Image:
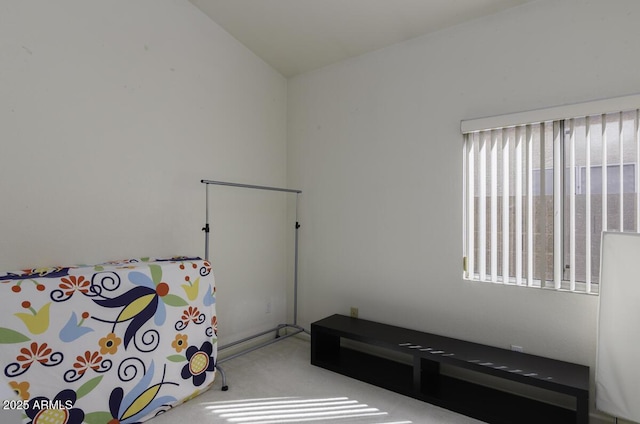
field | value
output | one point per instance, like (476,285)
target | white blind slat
(494,206)
(621,163)
(572,205)
(529,195)
(505,206)
(465,202)
(557,207)
(471,208)
(518,200)
(587,229)
(605,209)
(543,203)
(482,207)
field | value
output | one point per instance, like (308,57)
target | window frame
(523,121)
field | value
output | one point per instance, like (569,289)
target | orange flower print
(34,353)
(180,342)
(190,314)
(214,324)
(109,344)
(89,360)
(71,284)
(21,389)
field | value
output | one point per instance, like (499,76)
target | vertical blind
(538,196)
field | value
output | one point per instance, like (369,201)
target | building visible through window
(537,200)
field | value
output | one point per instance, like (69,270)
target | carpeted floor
(277,384)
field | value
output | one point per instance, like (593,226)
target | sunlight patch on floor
(297,410)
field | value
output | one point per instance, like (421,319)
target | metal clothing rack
(297,329)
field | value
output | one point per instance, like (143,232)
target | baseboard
(600,418)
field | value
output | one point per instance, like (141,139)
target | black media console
(421,379)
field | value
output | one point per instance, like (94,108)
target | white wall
(111,112)
(375,144)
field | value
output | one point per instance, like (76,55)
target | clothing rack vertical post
(296,328)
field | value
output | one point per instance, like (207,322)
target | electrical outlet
(268,308)
(517,348)
(354,312)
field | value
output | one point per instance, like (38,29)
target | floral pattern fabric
(115,343)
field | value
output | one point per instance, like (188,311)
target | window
(536,198)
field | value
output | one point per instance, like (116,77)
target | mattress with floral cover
(118,342)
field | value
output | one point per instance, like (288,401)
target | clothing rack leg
(224,387)
(206,224)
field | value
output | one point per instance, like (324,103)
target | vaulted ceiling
(295,36)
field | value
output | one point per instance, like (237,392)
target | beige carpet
(277,384)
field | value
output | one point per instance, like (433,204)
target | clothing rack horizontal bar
(258,187)
(267,343)
(237,342)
